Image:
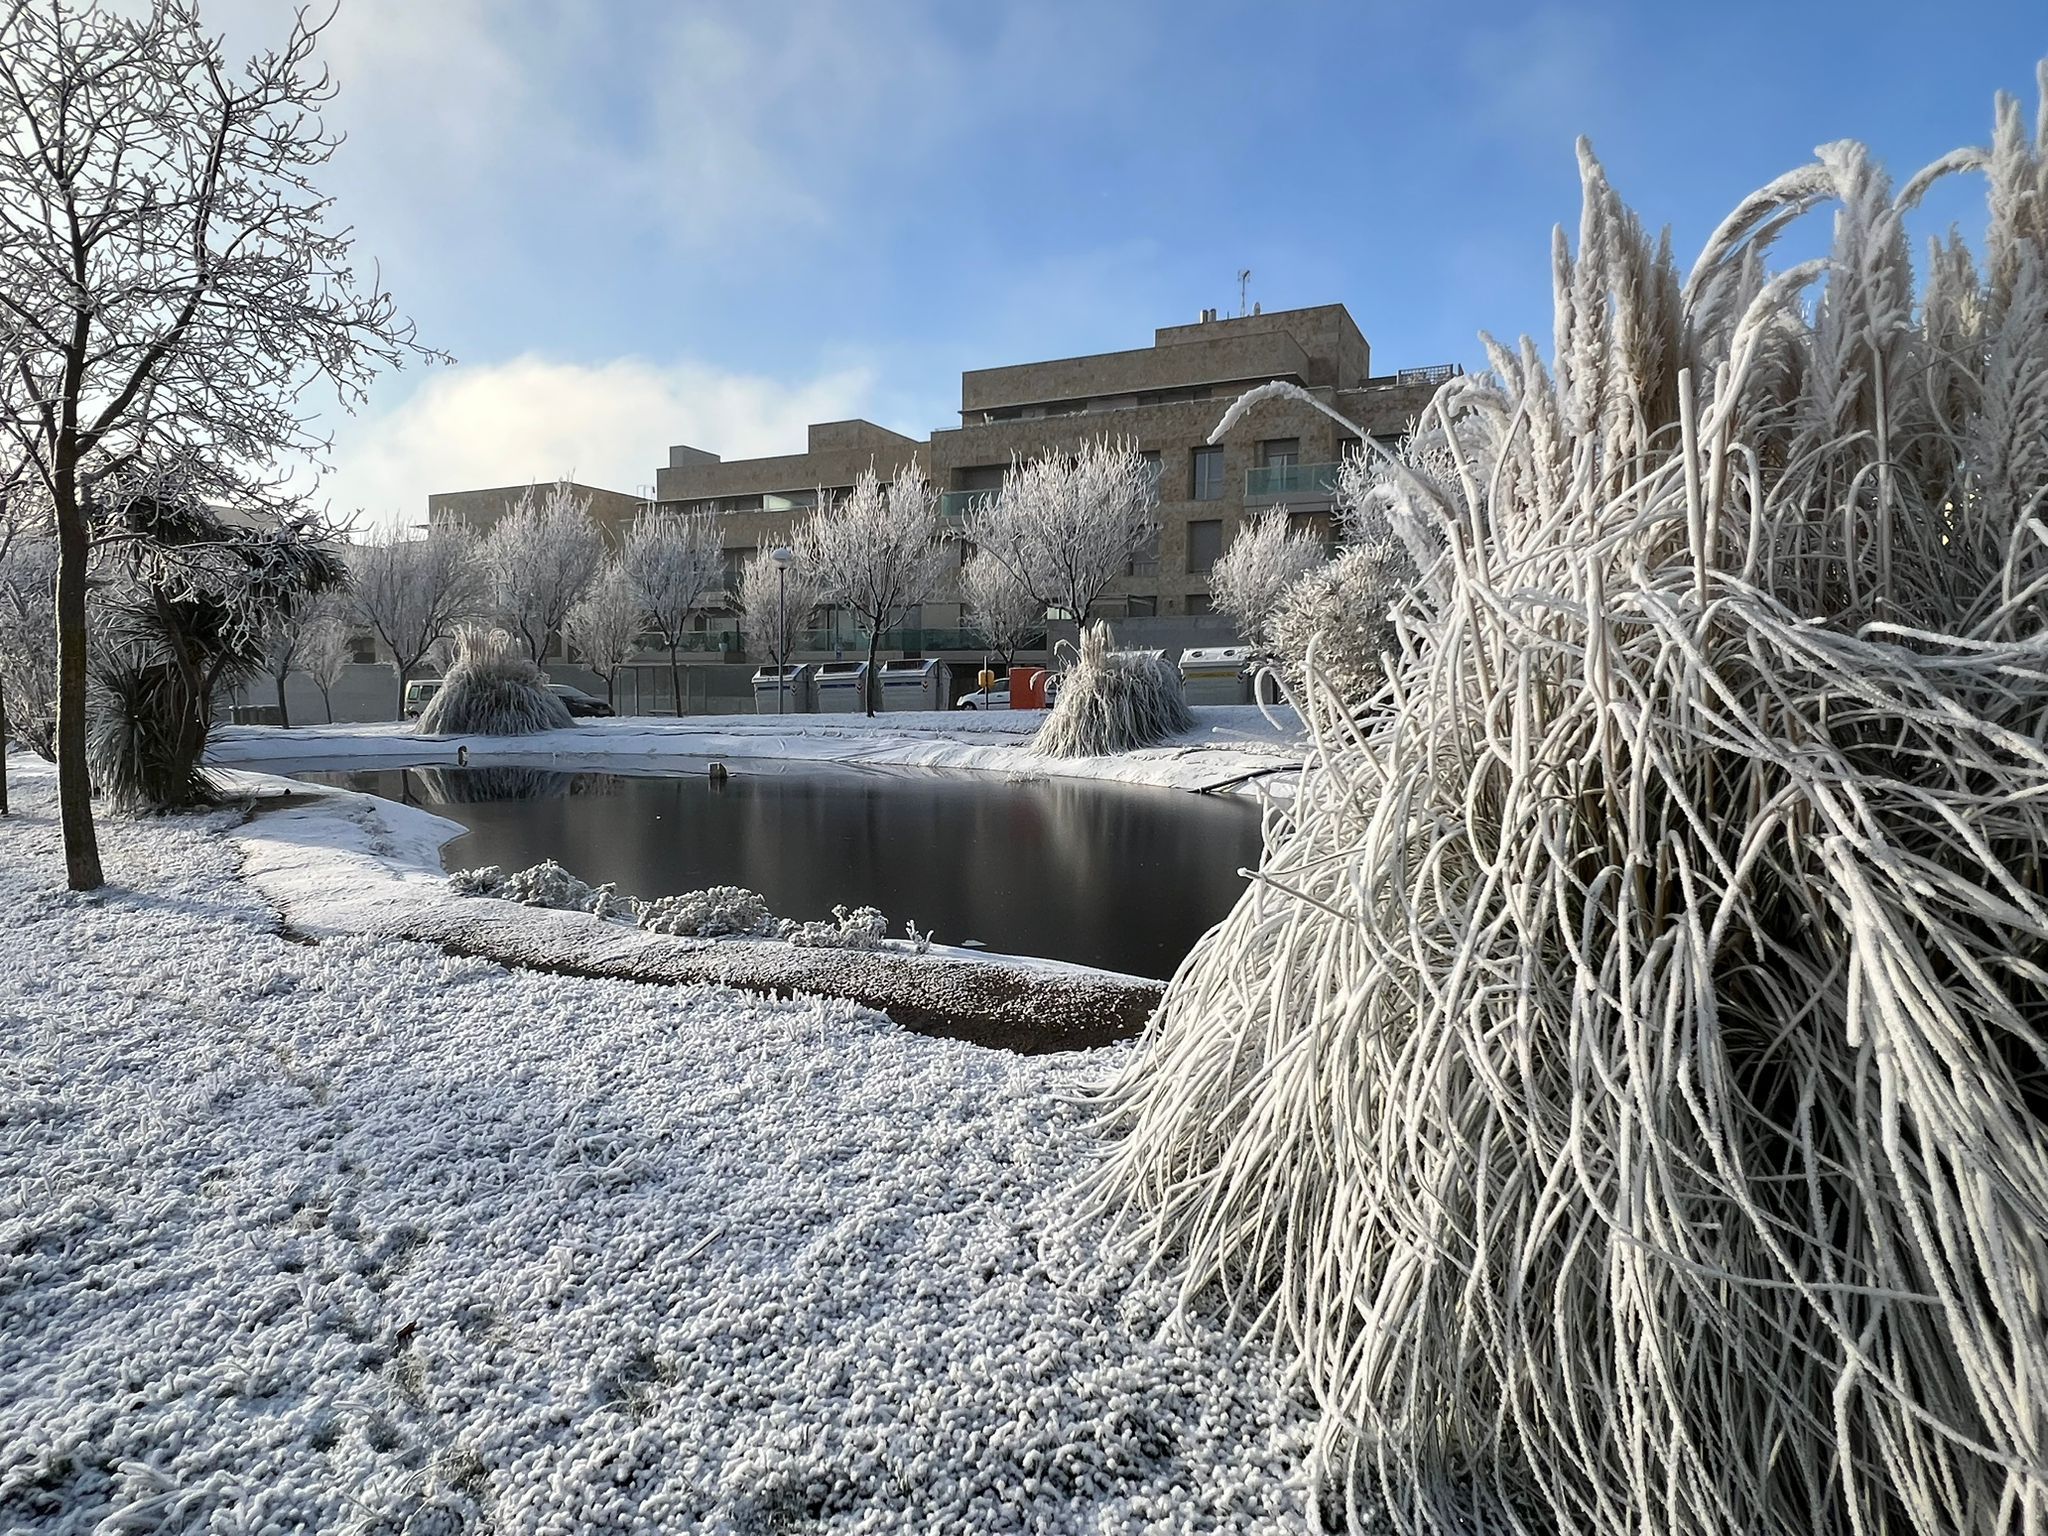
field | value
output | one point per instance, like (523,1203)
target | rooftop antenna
(1244,279)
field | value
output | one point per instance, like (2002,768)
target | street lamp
(784,558)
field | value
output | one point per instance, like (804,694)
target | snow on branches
(1262,562)
(605,623)
(879,553)
(675,564)
(775,605)
(411,593)
(1067,524)
(538,559)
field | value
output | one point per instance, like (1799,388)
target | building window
(1141,607)
(1205,544)
(1145,559)
(1198,602)
(1280,453)
(1208,474)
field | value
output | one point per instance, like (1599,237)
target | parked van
(417,692)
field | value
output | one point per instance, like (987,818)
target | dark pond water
(1109,875)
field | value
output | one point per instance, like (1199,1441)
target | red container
(1027,687)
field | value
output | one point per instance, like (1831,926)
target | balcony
(955,505)
(1291,482)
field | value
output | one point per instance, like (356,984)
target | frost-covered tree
(1066,525)
(1000,608)
(326,645)
(775,605)
(173,287)
(412,593)
(295,633)
(28,633)
(676,563)
(538,559)
(1262,562)
(605,624)
(879,553)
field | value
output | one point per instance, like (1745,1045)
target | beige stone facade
(611,510)
(1165,399)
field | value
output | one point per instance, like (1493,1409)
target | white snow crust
(1228,741)
(355,1236)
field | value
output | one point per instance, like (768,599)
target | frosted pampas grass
(1113,701)
(492,690)
(1623,1092)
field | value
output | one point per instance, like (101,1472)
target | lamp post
(784,558)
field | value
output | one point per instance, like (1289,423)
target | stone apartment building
(1165,398)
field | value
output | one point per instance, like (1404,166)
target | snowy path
(357,1236)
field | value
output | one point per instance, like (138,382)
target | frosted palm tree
(1623,1093)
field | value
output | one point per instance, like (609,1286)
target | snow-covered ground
(1228,742)
(356,1236)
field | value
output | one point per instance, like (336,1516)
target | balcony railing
(955,505)
(1278,480)
(855,643)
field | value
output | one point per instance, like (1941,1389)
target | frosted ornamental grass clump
(1113,701)
(492,690)
(1623,1094)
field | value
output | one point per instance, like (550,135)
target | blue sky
(636,222)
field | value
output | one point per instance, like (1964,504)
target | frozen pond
(1109,875)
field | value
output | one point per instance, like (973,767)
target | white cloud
(531,418)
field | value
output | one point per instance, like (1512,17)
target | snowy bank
(358,1236)
(335,863)
(1227,743)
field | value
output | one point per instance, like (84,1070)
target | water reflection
(1101,874)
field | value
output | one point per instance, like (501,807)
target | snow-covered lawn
(1227,742)
(356,1236)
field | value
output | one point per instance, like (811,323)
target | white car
(997,697)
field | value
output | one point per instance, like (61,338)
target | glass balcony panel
(1290,480)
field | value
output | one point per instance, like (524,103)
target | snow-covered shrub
(1342,610)
(1624,1091)
(859,928)
(546,884)
(715,912)
(1113,701)
(492,690)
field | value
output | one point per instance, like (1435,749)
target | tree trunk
(327,703)
(74,778)
(675,680)
(402,670)
(3,754)
(873,683)
(284,714)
